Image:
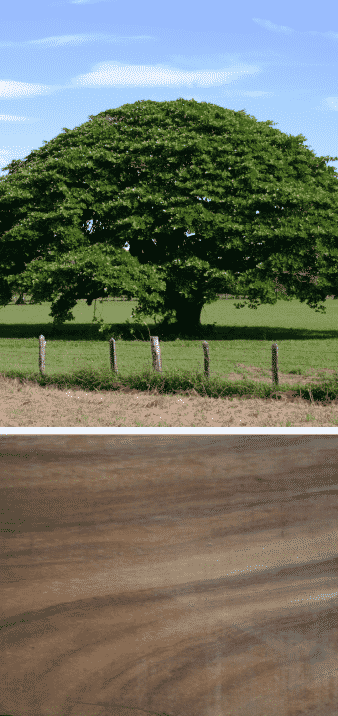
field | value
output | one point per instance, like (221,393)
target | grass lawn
(77,355)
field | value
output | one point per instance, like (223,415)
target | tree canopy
(263,208)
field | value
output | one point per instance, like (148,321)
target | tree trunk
(21,299)
(188,312)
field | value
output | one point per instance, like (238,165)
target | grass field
(78,356)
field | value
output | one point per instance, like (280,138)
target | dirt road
(179,575)
(25,404)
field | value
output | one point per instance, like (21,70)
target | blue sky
(64,60)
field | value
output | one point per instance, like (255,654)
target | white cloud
(79,2)
(113,74)
(328,103)
(270,26)
(12,118)
(73,40)
(9,89)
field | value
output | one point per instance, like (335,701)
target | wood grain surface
(169,575)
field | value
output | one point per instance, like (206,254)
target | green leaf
(262,206)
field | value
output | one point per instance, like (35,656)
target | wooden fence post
(112,353)
(156,353)
(275,379)
(42,354)
(206,359)
(155,349)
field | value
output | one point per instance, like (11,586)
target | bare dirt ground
(25,404)
(169,575)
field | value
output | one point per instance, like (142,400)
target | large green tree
(262,206)
(87,272)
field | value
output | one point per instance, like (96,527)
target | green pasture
(77,355)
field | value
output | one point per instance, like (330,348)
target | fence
(156,357)
(24,299)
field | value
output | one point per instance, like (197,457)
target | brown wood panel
(182,575)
